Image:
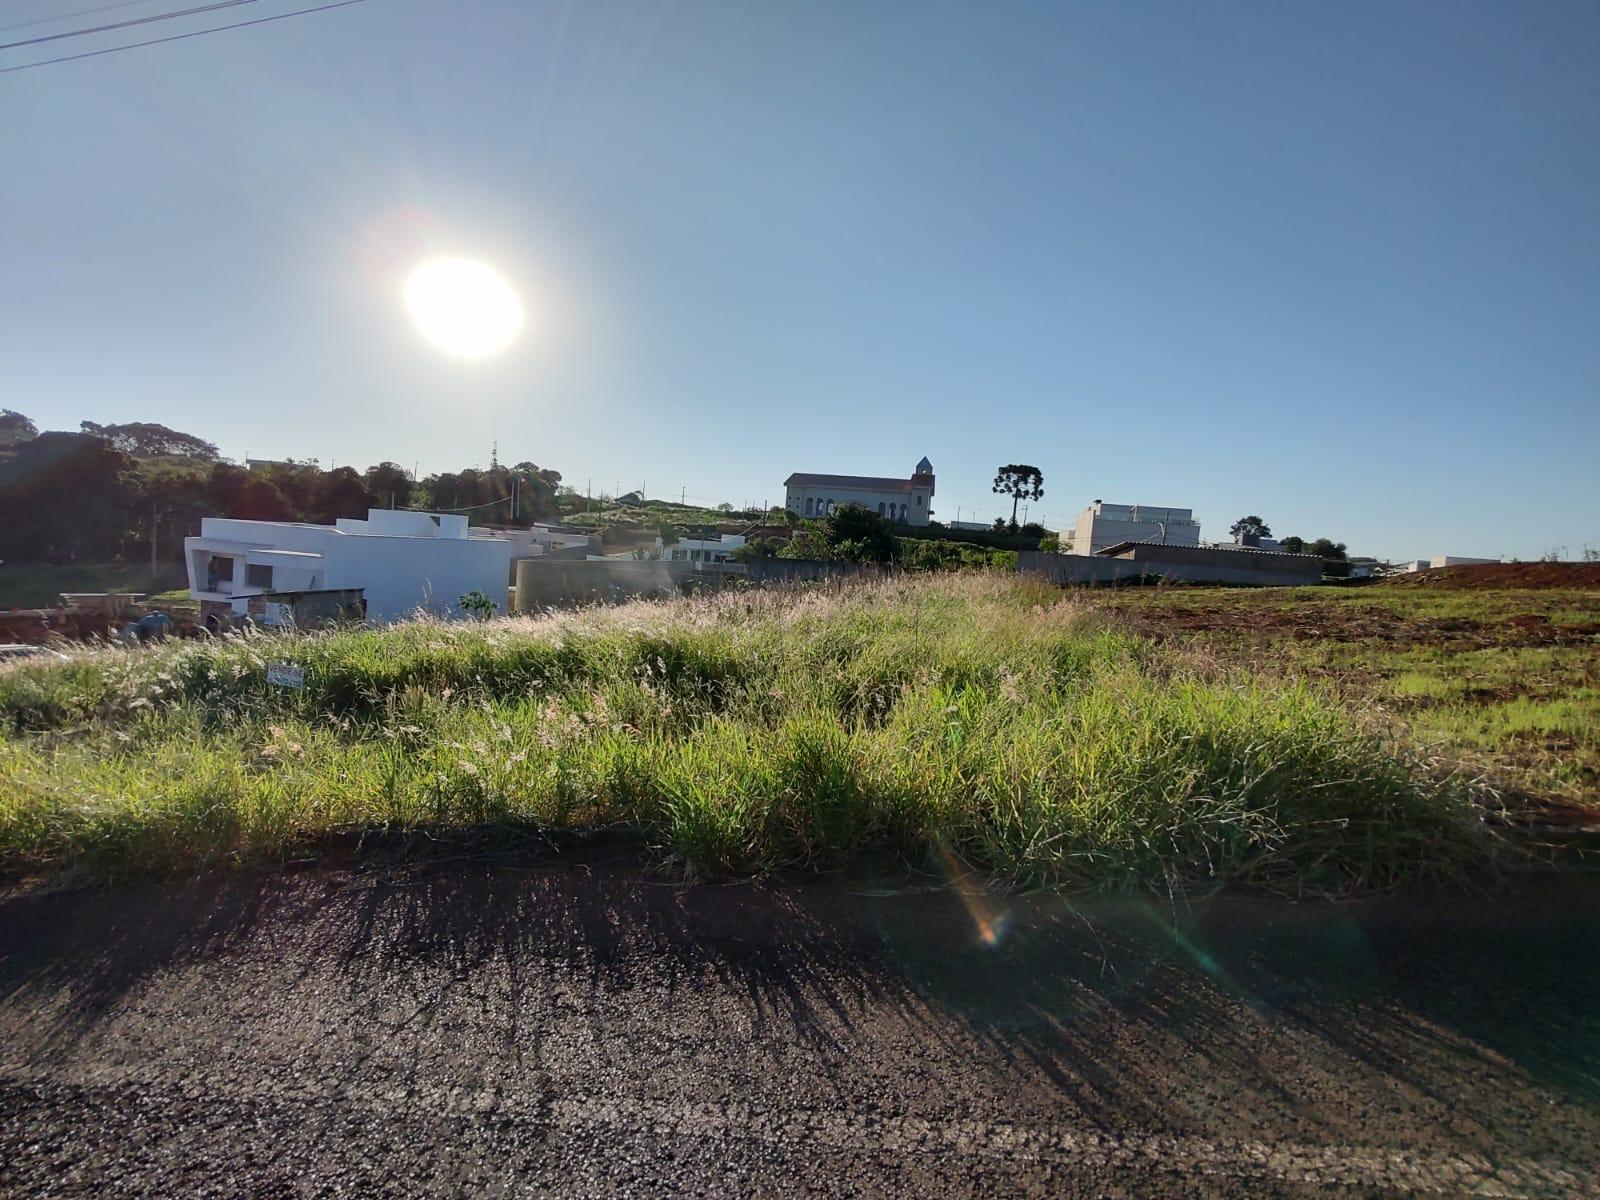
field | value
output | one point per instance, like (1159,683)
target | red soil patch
(1584,576)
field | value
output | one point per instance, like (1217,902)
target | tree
(1251,526)
(477,605)
(389,485)
(810,541)
(1020,482)
(340,493)
(1327,548)
(15,428)
(65,497)
(759,547)
(145,439)
(247,495)
(1294,545)
(858,535)
(174,494)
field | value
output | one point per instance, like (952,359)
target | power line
(82,12)
(178,37)
(166,16)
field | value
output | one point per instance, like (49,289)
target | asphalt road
(468,1030)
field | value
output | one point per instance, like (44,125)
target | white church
(906,501)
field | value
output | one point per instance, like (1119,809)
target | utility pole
(683,494)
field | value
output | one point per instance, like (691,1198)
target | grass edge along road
(1007,724)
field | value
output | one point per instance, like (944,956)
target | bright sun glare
(465,308)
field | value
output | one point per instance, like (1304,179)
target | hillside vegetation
(922,719)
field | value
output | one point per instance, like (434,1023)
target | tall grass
(1004,722)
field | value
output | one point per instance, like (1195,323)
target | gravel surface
(559,1030)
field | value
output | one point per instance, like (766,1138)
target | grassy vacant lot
(975,717)
(1505,682)
(39,585)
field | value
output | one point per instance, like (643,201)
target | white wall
(1446,560)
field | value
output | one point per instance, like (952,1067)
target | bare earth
(465,1029)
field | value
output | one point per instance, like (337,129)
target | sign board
(275,613)
(286,675)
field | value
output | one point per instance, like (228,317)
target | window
(880,508)
(808,506)
(919,501)
(257,575)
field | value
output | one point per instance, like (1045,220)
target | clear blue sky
(1336,264)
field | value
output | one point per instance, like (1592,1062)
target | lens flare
(463,307)
(987,920)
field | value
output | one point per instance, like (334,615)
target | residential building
(542,539)
(1101,525)
(716,547)
(908,501)
(399,560)
(1447,560)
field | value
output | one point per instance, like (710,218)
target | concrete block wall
(1084,569)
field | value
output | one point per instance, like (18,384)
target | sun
(463,307)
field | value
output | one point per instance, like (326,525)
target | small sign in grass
(286,675)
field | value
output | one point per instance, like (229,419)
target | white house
(539,539)
(908,501)
(719,547)
(401,561)
(1101,525)
(1446,560)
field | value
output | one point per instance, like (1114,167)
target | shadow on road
(1208,1019)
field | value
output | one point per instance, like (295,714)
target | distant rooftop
(871,483)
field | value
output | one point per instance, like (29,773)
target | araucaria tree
(1253,525)
(1020,482)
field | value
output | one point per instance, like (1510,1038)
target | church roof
(865,483)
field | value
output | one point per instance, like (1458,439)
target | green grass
(1012,725)
(39,585)
(1506,683)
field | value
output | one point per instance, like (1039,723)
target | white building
(1101,525)
(400,560)
(908,501)
(539,539)
(719,547)
(1446,560)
